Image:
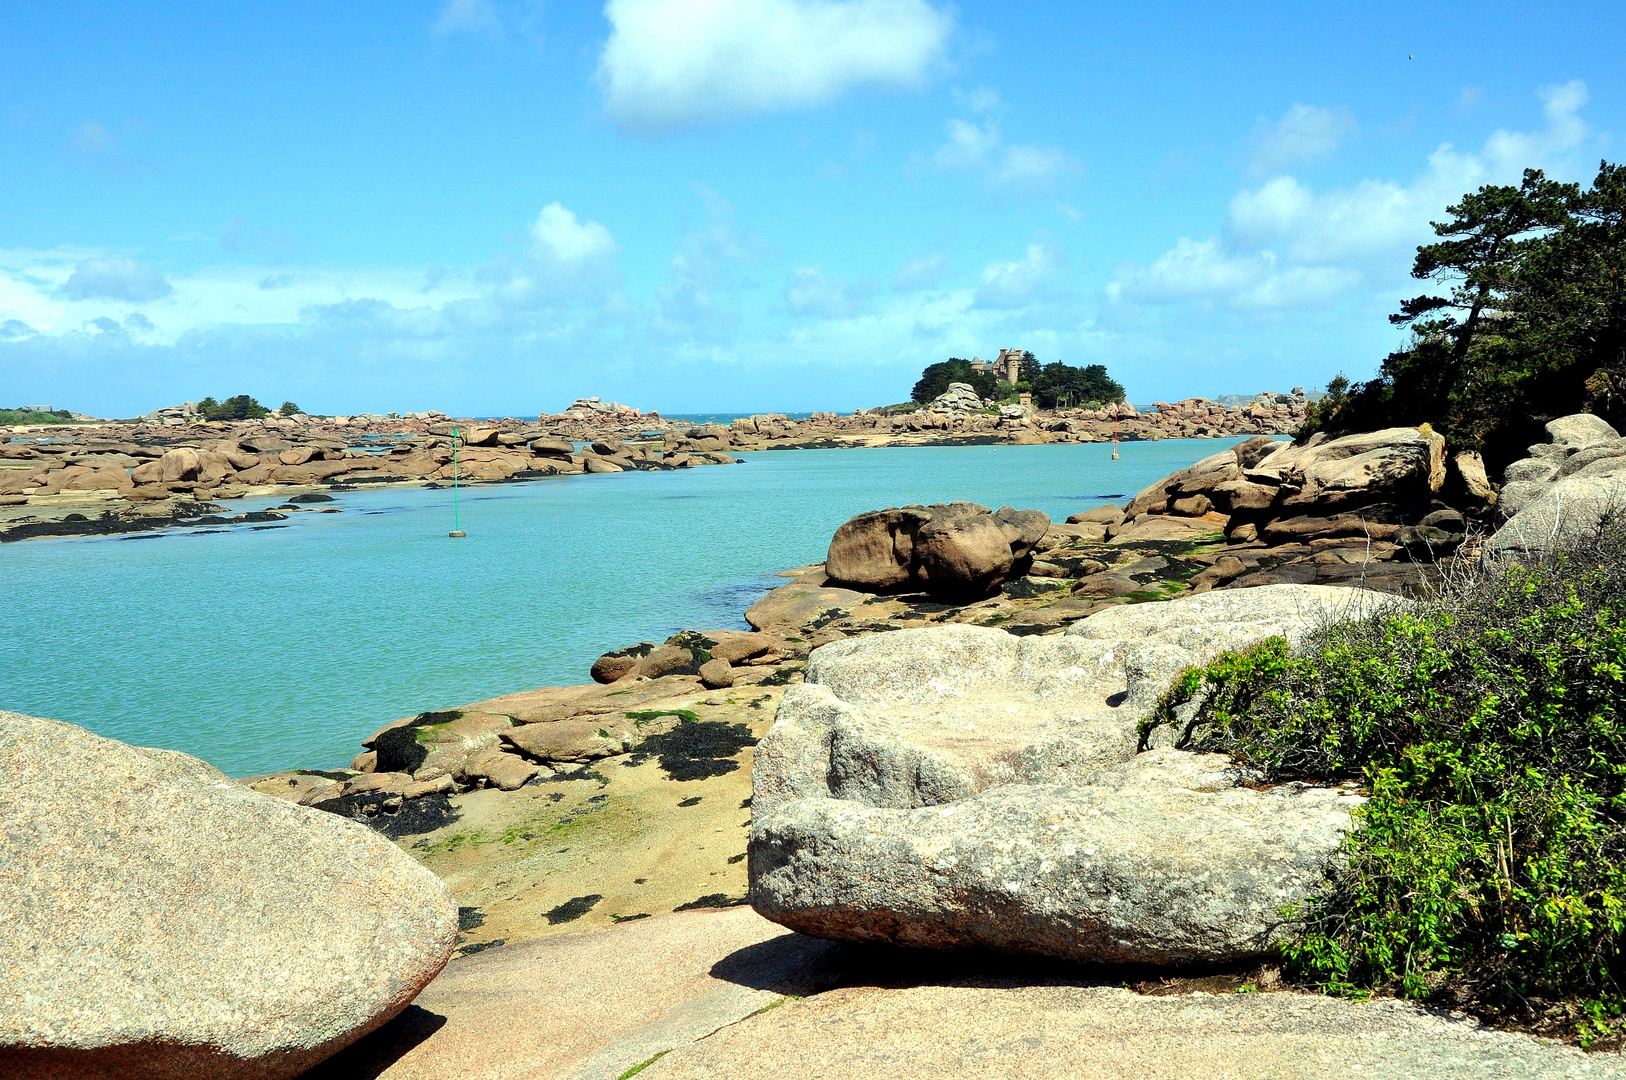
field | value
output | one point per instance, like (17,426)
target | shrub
(936,378)
(241,407)
(1488,869)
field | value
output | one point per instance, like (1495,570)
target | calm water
(260,650)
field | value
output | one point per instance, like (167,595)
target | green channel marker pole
(456,532)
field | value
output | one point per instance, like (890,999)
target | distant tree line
(1054,385)
(1528,322)
(241,407)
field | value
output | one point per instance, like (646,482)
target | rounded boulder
(163,921)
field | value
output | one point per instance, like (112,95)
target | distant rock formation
(959,397)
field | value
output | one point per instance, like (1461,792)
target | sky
(492,207)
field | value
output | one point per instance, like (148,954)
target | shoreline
(470,789)
(115,478)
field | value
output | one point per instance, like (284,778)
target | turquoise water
(281,647)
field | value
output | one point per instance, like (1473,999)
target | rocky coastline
(174,471)
(929,739)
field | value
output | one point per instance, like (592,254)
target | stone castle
(1007,366)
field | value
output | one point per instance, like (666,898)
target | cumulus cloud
(1305,133)
(559,236)
(1285,245)
(1021,169)
(672,64)
(15,330)
(114,277)
(1204,269)
(968,145)
(1019,282)
(1035,169)
(920,272)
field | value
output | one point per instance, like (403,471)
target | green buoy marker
(456,532)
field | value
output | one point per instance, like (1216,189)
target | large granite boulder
(960,786)
(163,922)
(1561,494)
(955,550)
(959,397)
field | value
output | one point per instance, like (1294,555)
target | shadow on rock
(371,1055)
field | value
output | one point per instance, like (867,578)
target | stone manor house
(1007,366)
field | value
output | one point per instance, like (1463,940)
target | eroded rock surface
(1566,488)
(960,786)
(163,922)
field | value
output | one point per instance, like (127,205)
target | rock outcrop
(162,922)
(1374,486)
(1565,489)
(959,786)
(954,550)
(958,398)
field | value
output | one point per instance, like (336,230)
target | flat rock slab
(1098,1033)
(161,921)
(957,786)
(590,1006)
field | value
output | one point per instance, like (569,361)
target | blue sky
(494,206)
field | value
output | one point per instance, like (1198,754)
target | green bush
(241,407)
(1488,869)
(936,378)
(35,416)
(1060,385)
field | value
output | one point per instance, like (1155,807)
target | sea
(283,646)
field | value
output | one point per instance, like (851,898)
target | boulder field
(116,478)
(172,469)
(163,922)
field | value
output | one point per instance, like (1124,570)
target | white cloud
(559,236)
(1204,269)
(1286,245)
(920,272)
(812,292)
(115,277)
(979,99)
(1021,169)
(467,17)
(676,63)
(1305,133)
(1017,283)
(968,145)
(1035,169)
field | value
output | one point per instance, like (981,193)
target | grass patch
(1488,725)
(456,842)
(781,676)
(641,1066)
(686,716)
